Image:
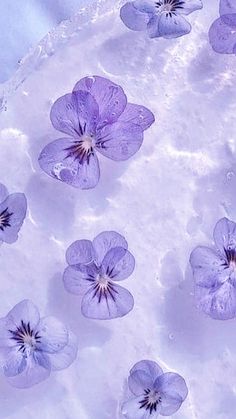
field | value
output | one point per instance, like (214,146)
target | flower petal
(33,373)
(149,367)
(59,164)
(209,268)
(133,18)
(120,141)
(106,241)
(139,381)
(65,357)
(221,36)
(53,335)
(76,281)
(15,205)
(138,115)
(110,97)
(26,312)
(3,192)
(190,6)
(131,409)
(225,235)
(108,307)
(168,26)
(145,6)
(227,7)
(81,251)
(15,363)
(75,113)
(118,263)
(173,391)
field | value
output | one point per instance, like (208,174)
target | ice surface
(165,200)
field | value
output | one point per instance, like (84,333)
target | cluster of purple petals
(96,117)
(222,33)
(153,392)
(163,18)
(93,272)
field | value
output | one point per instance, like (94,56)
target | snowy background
(165,201)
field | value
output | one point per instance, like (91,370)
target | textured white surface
(165,201)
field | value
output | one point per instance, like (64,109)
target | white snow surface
(165,201)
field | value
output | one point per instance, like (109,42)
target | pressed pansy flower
(12,214)
(93,272)
(154,393)
(30,347)
(222,33)
(214,270)
(163,18)
(96,118)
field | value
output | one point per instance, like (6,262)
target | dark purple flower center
(5,217)
(102,285)
(25,337)
(231,257)
(150,401)
(169,6)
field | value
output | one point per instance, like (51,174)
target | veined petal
(75,114)
(76,281)
(110,305)
(225,235)
(106,241)
(133,18)
(222,37)
(110,97)
(57,162)
(189,6)
(118,263)
(65,357)
(168,26)
(53,335)
(227,7)
(139,381)
(131,409)
(149,367)
(15,363)
(138,115)
(32,374)
(26,312)
(119,141)
(13,210)
(81,251)
(173,390)
(220,304)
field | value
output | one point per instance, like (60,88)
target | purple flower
(156,393)
(31,347)
(94,270)
(222,33)
(161,18)
(12,214)
(96,117)
(214,271)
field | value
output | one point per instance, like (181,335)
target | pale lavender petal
(81,251)
(168,26)
(133,18)
(137,114)
(118,263)
(33,373)
(225,235)
(110,97)
(209,268)
(221,36)
(6,340)
(120,141)
(108,307)
(15,363)
(26,312)
(57,162)
(106,241)
(53,335)
(173,390)
(76,281)
(139,381)
(12,215)
(131,410)
(75,114)
(190,6)
(227,7)
(3,192)
(145,6)
(149,367)
(66,356)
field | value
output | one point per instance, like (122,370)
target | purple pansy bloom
(30,347)
(161,18)
(214,271)
(96,117)
(222,33)
(93,271)
(156,393)
(12,214)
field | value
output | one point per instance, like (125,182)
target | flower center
(150,401)
(82,149)
(5,219)
(231,258)
(25,337)
(169,5)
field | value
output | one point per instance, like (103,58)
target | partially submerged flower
(93,272)
(12,214)
(154,392)
(162,18)
(96,118)
(214,270)
(31,347)
(222,33)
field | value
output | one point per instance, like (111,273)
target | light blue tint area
(23,23)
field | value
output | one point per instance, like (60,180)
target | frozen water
(165,200)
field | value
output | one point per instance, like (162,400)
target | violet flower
(31,347)
(222,33)
(93,272)
(214,270)
(163,18)
(155,393)
(12,214)
(96,117)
